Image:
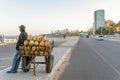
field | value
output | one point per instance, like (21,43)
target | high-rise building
(99,18)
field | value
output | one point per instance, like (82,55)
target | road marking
(2,66)
(107,62)
(5,58)
(5,69)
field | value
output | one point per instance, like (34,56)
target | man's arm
(21,41)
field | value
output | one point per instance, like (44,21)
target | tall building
(99,18)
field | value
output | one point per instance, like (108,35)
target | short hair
(22,27)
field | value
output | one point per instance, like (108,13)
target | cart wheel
(49,63)
(25,61)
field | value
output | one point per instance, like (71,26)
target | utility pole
(101,31)
(109,30)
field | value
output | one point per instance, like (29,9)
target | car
(100,38)
(87,36)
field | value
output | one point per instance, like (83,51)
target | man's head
(22,28)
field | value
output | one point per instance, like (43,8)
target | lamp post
(101,31)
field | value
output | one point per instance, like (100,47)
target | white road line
(5,58)
(107,62)
(4,69)
(2,66)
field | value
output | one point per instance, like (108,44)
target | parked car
(100,38)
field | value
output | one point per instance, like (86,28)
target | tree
(90,31)
(117,24)
(104,31)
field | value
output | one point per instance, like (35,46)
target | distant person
(64,36)
(16,60)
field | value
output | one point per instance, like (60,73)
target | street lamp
(101,31)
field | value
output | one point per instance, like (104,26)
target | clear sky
(43,16)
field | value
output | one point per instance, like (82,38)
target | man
(64,36)
(16,60)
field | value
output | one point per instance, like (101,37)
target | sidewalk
(59,53)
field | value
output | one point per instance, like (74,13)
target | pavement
(59,52)
(93,60)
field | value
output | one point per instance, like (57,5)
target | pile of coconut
(37,45)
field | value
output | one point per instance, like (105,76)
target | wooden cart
(27,60)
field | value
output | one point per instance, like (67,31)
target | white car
(100,38)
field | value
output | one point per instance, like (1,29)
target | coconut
(47,43)
(32,52)
(33,48)
(36,52)
(41,38)
(25,48)
(46,53)
(38,48)
(41,53)
(29,37)
(42,43)
(26,52)
(36,43)
(31,43)
(42,48)
(28,48)
(35,38)
(38,38)
(47,49)
(26,42)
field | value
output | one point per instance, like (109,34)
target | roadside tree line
(109,30)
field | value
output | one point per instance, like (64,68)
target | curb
(57,65)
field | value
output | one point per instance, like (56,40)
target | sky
(44,16)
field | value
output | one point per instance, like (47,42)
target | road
(7,53)
(93,60)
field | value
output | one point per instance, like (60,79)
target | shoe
(11,71)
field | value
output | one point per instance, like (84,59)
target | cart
(27,60)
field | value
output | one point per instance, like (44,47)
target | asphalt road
(93,60)
(7,54)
